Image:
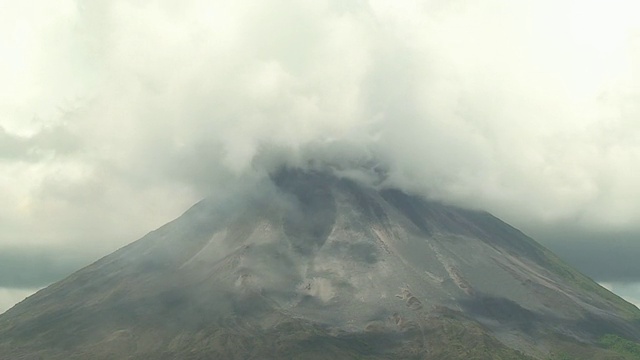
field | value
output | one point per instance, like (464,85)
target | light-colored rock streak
(452,270)
(213,243)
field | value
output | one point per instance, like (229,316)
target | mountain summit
(322,267)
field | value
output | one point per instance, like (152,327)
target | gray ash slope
(328,268)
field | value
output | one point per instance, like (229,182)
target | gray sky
(117,115)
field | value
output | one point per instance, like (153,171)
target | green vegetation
(628,348)
(452,336)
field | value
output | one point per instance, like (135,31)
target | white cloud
(520,108)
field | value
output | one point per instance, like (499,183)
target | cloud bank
(117,115)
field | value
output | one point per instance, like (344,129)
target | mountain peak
(326,266)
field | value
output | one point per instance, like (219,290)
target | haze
(115,116)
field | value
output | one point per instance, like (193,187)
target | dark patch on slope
(310,221)
(600,326)
(511,314)
(410,206)
(503,310)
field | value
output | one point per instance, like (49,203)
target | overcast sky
(117,115)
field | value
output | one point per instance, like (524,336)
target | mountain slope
(321,267)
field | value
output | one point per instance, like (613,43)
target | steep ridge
(322,267)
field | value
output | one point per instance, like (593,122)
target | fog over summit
(118,115)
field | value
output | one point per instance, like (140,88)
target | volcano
(323,267)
